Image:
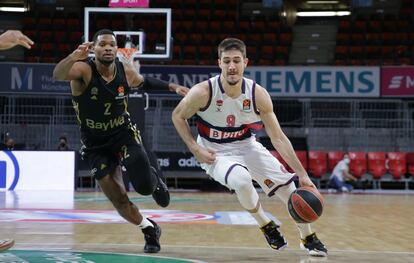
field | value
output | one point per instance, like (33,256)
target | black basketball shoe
(152,238)
(273,236)
(314,246)
(161,194)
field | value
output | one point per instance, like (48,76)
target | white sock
(260,216)
(304,230)
(145,223)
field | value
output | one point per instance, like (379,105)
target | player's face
(232,64)
(105,49)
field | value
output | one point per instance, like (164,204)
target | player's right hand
(82,51)
(205,155)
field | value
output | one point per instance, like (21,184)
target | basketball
(305,204)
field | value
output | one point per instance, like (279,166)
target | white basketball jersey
(225,119)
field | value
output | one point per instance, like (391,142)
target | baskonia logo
(9,171)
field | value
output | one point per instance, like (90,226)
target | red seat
(279,157)
(358,164)
(75,37)
(376,164)
(333,158)
(317,163)
(410,163)
(397,165)
(303,158)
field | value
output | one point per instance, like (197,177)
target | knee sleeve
(140,173)
(240,181)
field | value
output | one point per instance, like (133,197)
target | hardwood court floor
(355,228)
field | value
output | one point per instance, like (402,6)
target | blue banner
(318,81)
(287,81)
(279,81)
(30,78)
(184,75)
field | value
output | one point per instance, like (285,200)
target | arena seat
(358,164)
(397,164)
(376,164)
(333,158)
(410,163)
(317,163)
(303,158)
(279,157)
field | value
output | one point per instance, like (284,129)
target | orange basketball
(305,204)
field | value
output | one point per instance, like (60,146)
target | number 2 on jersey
(107,109)
(124,153)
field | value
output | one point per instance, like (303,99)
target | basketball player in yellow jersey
(9,39)
(228,107)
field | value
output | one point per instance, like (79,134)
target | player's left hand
(181,90)
(304,180)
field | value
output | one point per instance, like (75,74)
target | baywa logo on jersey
(247,105)
(9,171)
(94,93)
(121,92)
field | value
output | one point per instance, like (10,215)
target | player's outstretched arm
(12,38)
(278,138)
(180,90)
(65,69)
(196,99)
(151,83)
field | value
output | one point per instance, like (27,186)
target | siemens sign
(288,81)
(310,81)
(318,81)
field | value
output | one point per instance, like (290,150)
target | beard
(232,82)
(106,62)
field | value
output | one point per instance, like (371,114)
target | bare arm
(12,38)
(154,83)
(348,176)
(180,90)
(196,98)
(278,138)
(64,70)
(134,78)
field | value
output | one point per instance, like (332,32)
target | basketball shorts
(263,167)
(105,154)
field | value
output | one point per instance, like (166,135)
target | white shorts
(263,167)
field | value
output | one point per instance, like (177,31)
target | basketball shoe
(161,194)
(6,244)
(152,238)
(314,246)
(273,236)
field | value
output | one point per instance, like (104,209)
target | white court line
(47,233)
(210,247)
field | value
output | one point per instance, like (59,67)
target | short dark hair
(232,43)
(103,32)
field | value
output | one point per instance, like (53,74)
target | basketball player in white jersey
(228,107)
